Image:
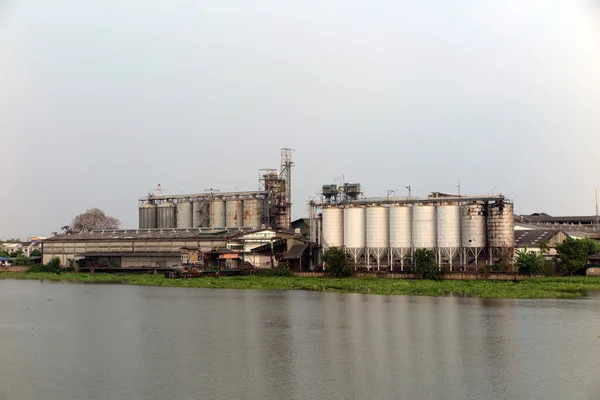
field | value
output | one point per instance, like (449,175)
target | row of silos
(399,228)
(219,213)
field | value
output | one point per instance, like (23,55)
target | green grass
(533,288)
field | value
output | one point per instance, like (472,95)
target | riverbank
(533,288)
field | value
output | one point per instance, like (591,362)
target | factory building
(384,232)
(270,206)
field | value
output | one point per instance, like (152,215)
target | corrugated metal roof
(150,234)
(533,238)
(295,252)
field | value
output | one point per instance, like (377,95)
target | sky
(102,101)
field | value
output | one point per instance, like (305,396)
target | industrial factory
(384,232)
(379,233)
(269,206)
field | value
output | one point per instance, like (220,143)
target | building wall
(158,262)
(259,260)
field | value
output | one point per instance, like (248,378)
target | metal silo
(501,225)
(184,214)
(201,213)
(148,216)
(355,231)
(217,213)
(378,240)
(472,220)
(400,233)
(424,227)
(332,227)
(233,213)
(448,231)
(252,212)
(167,215)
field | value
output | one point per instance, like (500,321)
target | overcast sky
(102,100)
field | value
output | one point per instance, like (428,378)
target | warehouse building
(162,248)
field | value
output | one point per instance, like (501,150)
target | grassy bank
(533,288)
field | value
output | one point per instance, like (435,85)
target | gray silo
(501,225)
(167,215)
(184,214)
(424,227)
(233,213)
(252,212)
(217,213)
(473,231)
(201,213)
(148,216)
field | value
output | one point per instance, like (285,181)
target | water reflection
(146,343)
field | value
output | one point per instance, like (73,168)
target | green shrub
(336,262)
(21,260)
(425,266)
(52,266)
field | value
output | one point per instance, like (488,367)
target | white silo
(377,240)
(355,231)
(448,232)
(400,233)
(332,227)
(184,214)
(473,231)
(424,227)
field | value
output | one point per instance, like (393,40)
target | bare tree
(92,219)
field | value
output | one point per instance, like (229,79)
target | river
(81,341)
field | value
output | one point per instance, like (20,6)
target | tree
(530,262)
(92,219)
(593,246)
(336,262)
(425,266)
(572,254)
(35,253)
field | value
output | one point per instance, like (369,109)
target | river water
(76,341)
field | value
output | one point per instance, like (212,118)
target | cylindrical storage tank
(167,215)
(501,225)
(332,227)
(424,227)
(355,228)
(148,216)
(401,227)
(252,212)
(184,214)
(233,213)
(473,225)
(201,214)
(217,213)
(448,226)
(377,227)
